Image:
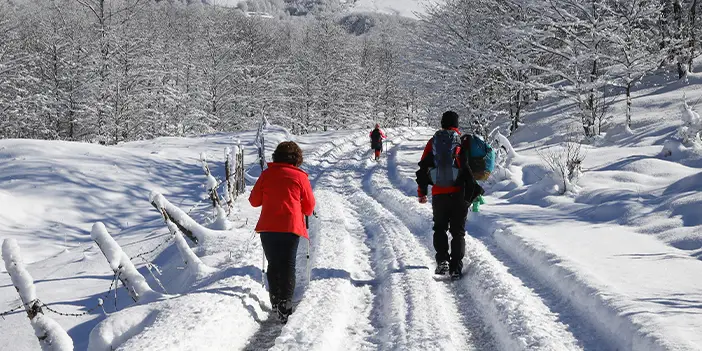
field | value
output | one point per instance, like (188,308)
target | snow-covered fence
(121,265)
(260,143)
(188,226)
(192,262)
(211,184)
(234,165)
(51,336)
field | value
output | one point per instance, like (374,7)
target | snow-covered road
(535,278)
(373,285)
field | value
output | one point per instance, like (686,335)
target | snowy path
(372,285)
(518,317)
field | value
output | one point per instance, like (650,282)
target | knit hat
(449,120)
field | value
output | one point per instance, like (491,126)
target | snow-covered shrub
(50,334)
(687,139)
(565,162)
(221,221)
(504,155)
(689,133)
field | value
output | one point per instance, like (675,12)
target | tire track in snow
(412,310)
(587,334)
(335,311)
(519,319)
(271,334)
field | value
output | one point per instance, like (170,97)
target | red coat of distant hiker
(286,195)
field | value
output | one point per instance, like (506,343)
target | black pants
(450,212)
(281,253)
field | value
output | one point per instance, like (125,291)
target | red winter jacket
(286,195)
(424,165)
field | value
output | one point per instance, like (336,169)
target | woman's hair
(288,152)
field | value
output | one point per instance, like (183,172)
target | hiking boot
(283,310)
(456,274)
(274,301)
(442,268)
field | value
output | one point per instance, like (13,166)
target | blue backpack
(481,156)
(445,149)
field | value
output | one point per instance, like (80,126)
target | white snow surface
(405,8)
(612,265)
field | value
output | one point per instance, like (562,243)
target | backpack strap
(468,150)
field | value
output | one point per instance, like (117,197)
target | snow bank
(223,319)
(610,284)
(121,264)
(111,333)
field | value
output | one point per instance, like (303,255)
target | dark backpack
(445,171)
(375,135)
(376,139)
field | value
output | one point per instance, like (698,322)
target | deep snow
(612,264)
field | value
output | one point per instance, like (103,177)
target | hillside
(611,264)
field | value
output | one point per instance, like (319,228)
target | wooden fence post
(241,180)
(50,334)
(121,265)
(230,175)
(211,182)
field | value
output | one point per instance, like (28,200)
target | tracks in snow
(490,262)
(373,287)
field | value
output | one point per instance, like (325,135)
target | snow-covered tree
(633,48)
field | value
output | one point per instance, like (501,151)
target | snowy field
(614,264)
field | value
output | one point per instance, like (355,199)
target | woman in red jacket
(285,193)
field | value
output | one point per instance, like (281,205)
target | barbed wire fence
(236,177)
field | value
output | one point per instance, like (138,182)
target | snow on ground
(406,8)
(612,264)
(51,193)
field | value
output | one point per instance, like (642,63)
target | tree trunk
(628,104)
(693,34)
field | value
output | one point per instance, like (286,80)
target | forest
(110,71)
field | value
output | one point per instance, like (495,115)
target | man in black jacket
(450,198)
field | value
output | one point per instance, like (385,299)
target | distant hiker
(285,193)
(377,137)
(445,166)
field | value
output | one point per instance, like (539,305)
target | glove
(423,199)
(478,201)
